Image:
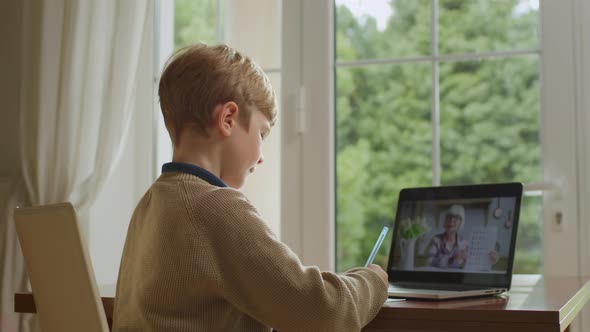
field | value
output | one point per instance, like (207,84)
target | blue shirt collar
(193,170)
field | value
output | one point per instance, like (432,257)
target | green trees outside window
(489,123)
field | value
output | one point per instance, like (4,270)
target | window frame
(307,200)
(308,216)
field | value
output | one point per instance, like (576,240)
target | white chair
(61,274)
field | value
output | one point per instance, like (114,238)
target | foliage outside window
(195,21)
(489,123)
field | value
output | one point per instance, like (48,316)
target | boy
(198,256)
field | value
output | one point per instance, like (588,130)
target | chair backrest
(61,274)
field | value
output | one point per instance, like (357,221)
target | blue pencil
(377,245)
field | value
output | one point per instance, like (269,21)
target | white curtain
(78,85)
(80,60)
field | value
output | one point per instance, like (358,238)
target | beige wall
(10,36)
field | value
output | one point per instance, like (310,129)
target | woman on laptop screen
(450,249)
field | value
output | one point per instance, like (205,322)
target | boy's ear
(226,117)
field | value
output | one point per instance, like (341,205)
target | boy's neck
(198,150)
(201,162)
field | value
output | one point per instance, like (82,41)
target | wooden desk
(533,304)
(24,302)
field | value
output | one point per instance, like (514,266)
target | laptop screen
(456,234)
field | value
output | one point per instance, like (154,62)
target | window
(312,66)
(312,71)
(430,93)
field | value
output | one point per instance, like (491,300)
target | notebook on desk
(454,241)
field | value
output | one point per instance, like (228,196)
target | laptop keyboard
(436,287)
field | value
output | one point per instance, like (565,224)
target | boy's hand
(379,271)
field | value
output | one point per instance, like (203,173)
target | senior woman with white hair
(449,249)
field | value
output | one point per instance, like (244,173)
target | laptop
(454,241)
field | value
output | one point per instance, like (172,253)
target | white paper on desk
(391,299)
(394,300)
(481,242)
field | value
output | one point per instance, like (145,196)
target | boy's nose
(261,159)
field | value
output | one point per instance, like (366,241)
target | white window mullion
(438,57)
(435,96)
(308,149)
(291,140)
(582,39)
(558,137)
(582,10)
(318,139)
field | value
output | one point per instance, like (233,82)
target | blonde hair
(198,78)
